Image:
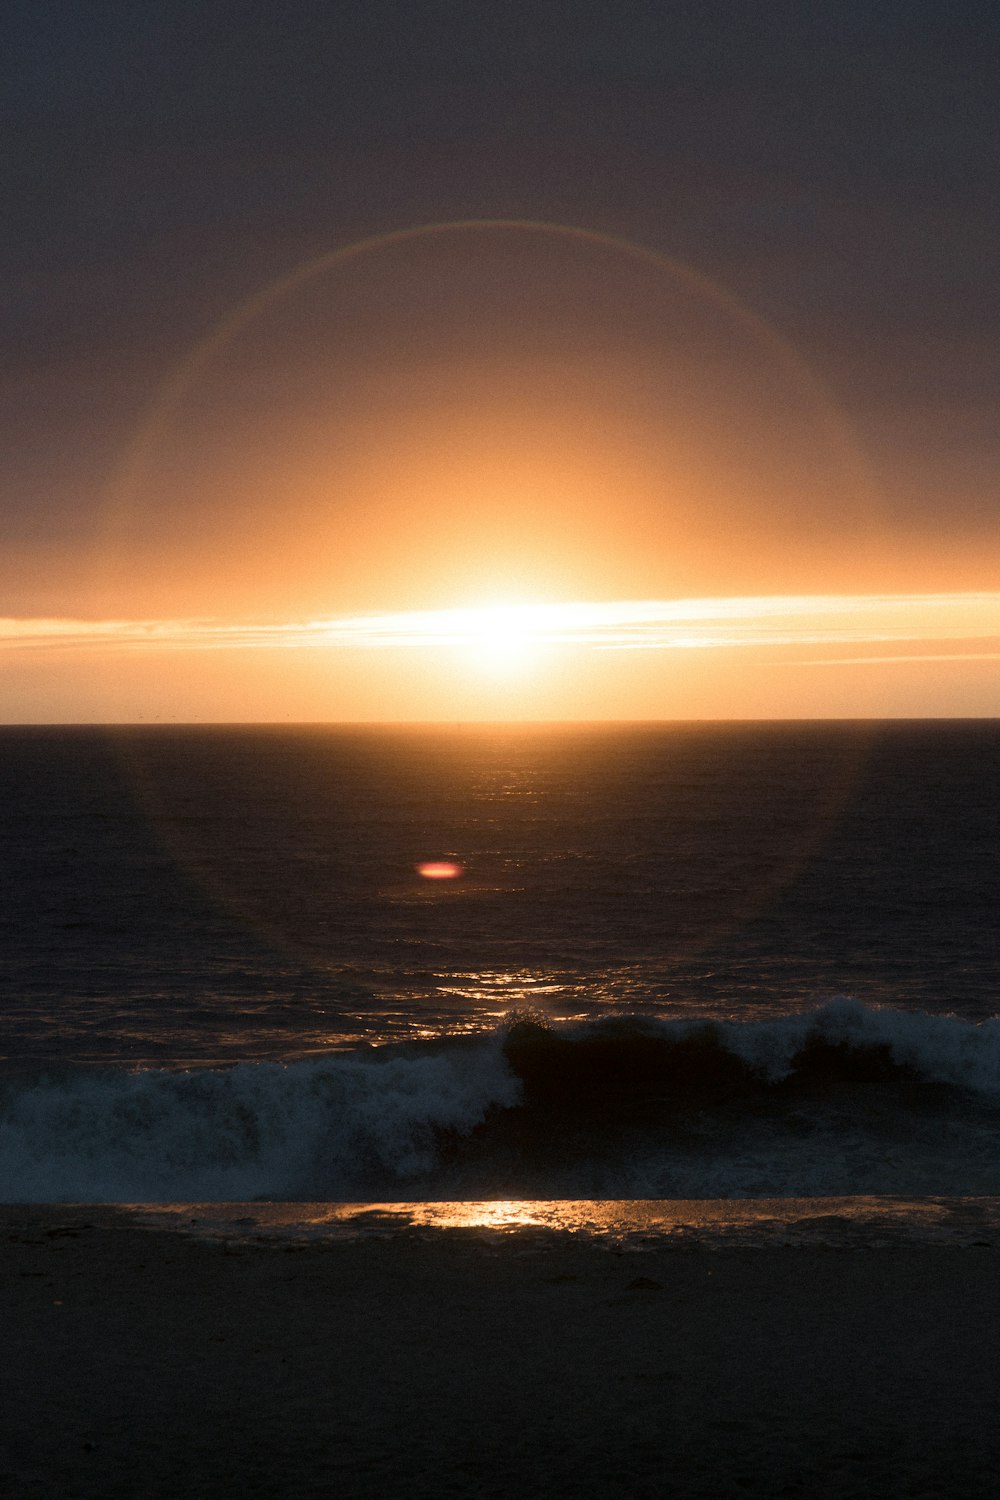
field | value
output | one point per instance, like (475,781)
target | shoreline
(858,1221)
(139,1361)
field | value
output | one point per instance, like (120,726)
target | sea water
(665,962)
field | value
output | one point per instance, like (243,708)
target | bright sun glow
(748,656)
(502,639)
(515,635)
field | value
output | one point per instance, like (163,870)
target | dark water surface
(680,961)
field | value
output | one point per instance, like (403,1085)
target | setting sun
(499,749)
(501,641)
(500,470)
(778,656)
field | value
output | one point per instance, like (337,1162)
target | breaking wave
(844,1099)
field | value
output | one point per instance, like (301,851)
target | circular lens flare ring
(139,453)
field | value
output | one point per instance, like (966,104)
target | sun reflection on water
(611,1224)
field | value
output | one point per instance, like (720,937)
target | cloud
(854,620)
(910,658)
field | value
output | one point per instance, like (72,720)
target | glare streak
(624,625)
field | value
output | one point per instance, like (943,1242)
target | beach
(499,752)
(656,1154)
(140,1361)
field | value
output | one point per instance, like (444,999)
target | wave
(687,1061)
(312,1129)
(843,1099)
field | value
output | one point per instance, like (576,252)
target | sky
(456,361)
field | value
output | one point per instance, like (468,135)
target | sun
(502,640)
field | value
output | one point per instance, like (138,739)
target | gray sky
(834,165)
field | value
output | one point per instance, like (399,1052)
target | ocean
(622,962)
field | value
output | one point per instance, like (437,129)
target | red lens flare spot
(439,869)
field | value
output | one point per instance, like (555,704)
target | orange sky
(498,416)
(771,657)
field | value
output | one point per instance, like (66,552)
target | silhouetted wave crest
(843,1099)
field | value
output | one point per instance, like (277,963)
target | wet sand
(140,1362)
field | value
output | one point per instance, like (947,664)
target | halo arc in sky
(140,453)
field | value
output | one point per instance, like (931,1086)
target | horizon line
(458,724)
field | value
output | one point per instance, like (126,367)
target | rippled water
(207,898)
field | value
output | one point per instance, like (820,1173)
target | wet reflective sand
(628,1224)
(607,1350)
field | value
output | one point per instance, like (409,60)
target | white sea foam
(313,1128)
(944,1049)
(370,1125)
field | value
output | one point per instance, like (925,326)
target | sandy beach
(141,1362)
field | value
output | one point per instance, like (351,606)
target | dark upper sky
(835,165)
